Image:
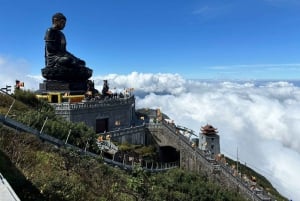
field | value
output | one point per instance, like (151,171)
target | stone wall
(194,159)
(115,110)
(135,135)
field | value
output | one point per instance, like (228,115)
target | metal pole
(124,159)
(101,154)
(43,125)
(68,136)
(87,142)
(10,108)
(237,160)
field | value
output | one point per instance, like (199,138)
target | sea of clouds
(258,121)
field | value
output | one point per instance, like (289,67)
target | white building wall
(210,143)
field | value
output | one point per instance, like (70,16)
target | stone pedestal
(63,79)
(73,88)
(63,73)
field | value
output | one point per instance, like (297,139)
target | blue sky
(206,39)
(157,46)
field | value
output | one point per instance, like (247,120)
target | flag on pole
(19,84)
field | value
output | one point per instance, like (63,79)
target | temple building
(209,140)
(102,112)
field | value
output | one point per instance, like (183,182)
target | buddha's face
(59,24)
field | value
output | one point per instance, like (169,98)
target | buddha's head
(58,21)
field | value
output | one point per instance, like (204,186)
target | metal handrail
(52,140)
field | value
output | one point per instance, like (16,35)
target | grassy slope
(261,180)
(49,173)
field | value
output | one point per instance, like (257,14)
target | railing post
(68,137)
(87,142)
(124,159)
(10,108)
(43,125)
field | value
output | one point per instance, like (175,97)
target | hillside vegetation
(40,171)
(261,180)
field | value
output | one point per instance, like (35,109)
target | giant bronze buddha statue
(61,65)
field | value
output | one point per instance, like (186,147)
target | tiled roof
(208,129)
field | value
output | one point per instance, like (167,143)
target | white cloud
(145,82)
(254,71)
(12,69)
(212,11)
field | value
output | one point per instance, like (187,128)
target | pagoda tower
(209,140)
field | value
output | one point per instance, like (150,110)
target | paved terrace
(93,104)
(6,192)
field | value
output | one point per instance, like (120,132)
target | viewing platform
(91,104)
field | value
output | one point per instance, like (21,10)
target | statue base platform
(63,73)
(74,88)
